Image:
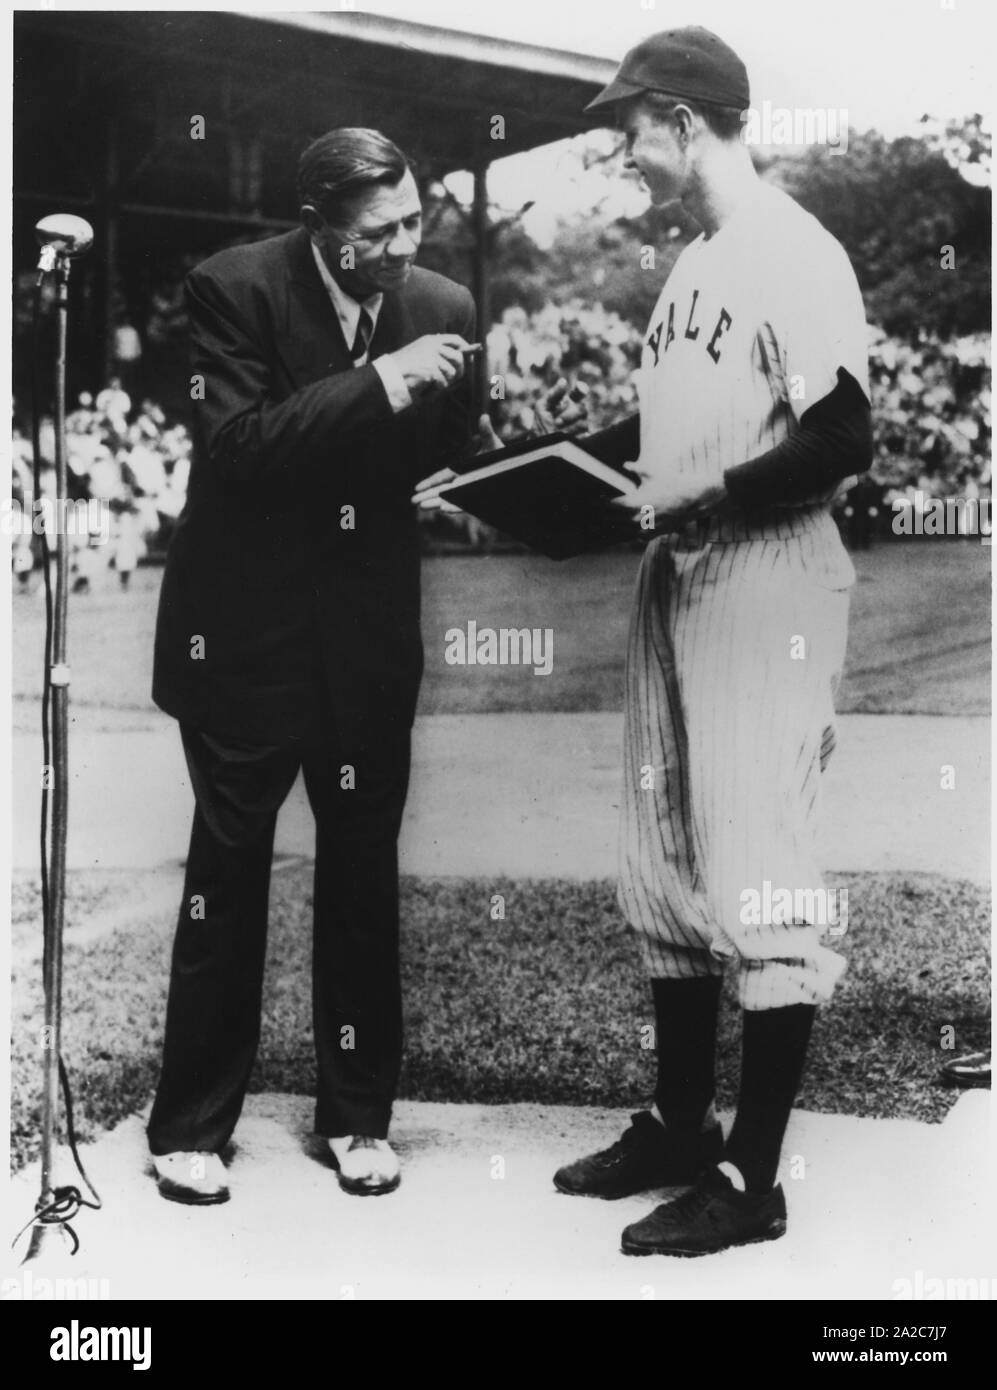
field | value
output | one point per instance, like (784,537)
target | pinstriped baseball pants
(734,655)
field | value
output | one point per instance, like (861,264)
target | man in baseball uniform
(753,410)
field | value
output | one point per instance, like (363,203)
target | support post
(480,277)
(108,272)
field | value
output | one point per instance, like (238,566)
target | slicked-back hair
(724,121)
(342,163)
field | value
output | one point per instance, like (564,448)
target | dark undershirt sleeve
(833,442)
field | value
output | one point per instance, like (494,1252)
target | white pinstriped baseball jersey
(724,728)
(748,333)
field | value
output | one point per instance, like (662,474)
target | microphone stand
(49,1220)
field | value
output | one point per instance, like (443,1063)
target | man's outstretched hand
(426,496)
(670,504)
(486,438)
(564,410)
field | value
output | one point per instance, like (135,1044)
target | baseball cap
(689,62)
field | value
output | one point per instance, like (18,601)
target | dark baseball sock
(774,1049)
(686,1024)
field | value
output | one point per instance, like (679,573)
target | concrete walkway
(530,795)
(876,1207)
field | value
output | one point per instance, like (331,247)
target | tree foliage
(913,214)
(896,206)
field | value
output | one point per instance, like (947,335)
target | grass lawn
(548,1005)
(544,1006)
(919,640)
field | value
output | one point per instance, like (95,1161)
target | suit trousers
(216,980)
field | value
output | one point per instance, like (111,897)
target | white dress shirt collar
(347,309)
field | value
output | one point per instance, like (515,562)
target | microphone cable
(66,1201)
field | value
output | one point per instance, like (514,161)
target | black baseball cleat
(710,1217)
(971,1070)
(646,1156)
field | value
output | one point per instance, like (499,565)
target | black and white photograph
(498,718)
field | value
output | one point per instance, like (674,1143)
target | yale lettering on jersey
(690,332)
(713,343)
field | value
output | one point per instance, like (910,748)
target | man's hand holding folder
(551,493)
(427,494)
(564,410)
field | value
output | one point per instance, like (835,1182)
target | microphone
(61,234)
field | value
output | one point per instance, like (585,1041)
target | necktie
(365,331)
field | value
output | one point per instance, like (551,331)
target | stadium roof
(106,103)
(291,76)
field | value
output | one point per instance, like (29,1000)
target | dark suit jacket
(301,618)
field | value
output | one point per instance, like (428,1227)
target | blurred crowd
(126,458)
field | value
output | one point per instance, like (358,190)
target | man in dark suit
(328,378)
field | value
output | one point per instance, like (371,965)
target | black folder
(549,493)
